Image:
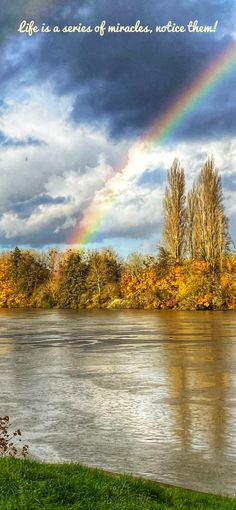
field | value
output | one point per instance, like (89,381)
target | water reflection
(152,393)
(201,379)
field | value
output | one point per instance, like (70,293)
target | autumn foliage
(189,286)
(100,279)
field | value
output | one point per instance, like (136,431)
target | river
(149,393)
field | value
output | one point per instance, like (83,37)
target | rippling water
(151,393)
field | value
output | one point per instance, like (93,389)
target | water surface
(151,393)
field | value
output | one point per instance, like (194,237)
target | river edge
(32,484)
(111,309)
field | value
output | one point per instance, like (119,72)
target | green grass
(31,486)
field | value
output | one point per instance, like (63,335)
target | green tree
(102,282)
(28,271)
(72,279)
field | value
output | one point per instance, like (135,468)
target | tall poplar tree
(175,213)
(208,237)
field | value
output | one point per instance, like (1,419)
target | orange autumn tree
(22,272)
(140,290)
(9,296)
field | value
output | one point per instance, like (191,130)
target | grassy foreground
(30,485)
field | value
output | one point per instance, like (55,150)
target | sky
(74,105)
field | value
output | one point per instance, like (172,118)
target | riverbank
(31,485)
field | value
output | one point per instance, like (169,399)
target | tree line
(192,269)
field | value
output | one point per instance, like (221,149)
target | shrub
(9,441)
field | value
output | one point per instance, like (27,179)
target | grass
(26,485)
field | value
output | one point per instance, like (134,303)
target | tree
(194,224)
(137,262)
(102,281)
(208,237)
(72,278)
(175,213)
(28,271)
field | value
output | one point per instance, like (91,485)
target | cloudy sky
(74,106)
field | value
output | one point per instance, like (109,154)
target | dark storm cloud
(126,80)
(25,208)
(135,232)
(12,12)
(49,234)
(38,239)
(5,141)
(214,116)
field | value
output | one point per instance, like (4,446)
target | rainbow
(98,209)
